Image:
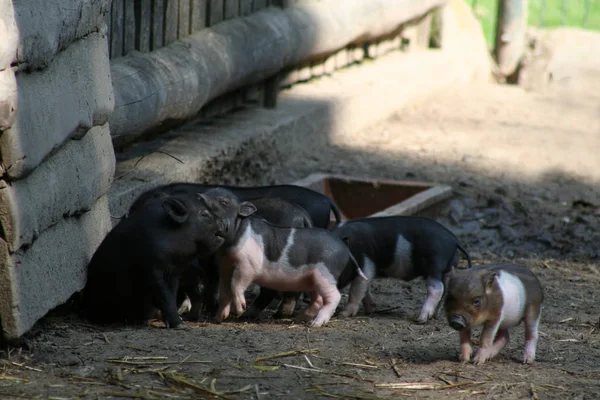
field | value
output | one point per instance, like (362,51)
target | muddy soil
(524,170)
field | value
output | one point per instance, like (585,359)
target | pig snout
(457,322)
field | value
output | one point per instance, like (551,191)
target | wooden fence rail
(175,82)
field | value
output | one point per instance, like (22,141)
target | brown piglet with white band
(499,297)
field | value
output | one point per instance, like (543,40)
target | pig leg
(359,290)
(264,298)
(325,285)
(532,322)
(368,303)
(239,283)
(210,293)
(435,291)
(331,299)
(313,309)
(487,349)
(225,294)
(165,299)
(465,345)
(288,304)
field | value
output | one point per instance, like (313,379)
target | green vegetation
(543,13)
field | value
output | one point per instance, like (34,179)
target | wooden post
(158,23)
(198,15)
(510,35)
(171,19)
(143,15)
(586,14)
(215,12)
(183,26)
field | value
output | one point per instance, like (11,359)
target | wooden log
(176,81)
(8,98)
(198,15)
(46,28)
(171,20)
(9,34)
(158,24)
(143,31)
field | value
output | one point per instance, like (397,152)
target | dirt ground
(524,168)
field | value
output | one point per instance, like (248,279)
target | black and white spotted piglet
(402,247)
(284,259)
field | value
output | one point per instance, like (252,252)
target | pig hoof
(480,358)
(180,326)
(279,314)
(191,316)
(528,359)
(317,324)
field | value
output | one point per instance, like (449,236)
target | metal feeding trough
(364,197)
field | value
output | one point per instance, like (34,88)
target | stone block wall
(57,156)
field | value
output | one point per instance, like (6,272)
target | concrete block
(67,183)
(9,34)
(8,98)
(46,274)
(60,102)
(48,27)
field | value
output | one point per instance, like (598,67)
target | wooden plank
(143,19)
(245,7)
(158,23)
(183,28)
(117,15)
(329,64)
(171,19)
(304,73)
(215,12)
(417,202)
(198,15)
(424,32)
(129,27)
(232,8)
(258,5)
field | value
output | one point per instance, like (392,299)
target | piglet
(137,267)
(402,247)
(499,297)
(284,259)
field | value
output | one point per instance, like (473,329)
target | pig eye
(223,202)
(205,214)
(477,301)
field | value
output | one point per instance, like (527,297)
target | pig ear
(488,280)
(246,209)
(176,209)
